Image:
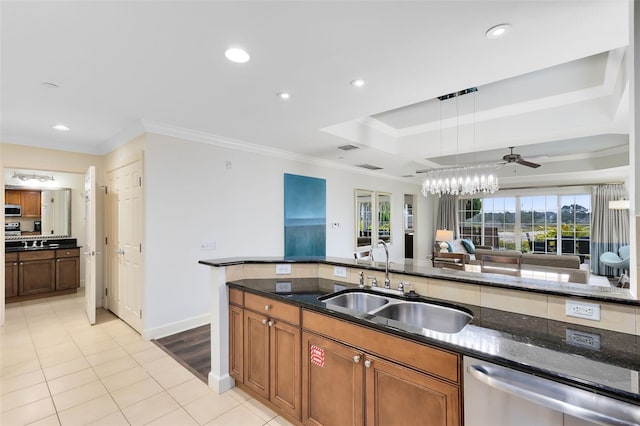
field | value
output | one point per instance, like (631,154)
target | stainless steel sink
(360,302)
(425,315)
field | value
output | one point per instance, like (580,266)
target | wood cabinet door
(11,279)
(397,395)
(67,273)
(332,383)
(37,276)
(31,204)
(285,367)
(12,196)
(236,342)
(256,353)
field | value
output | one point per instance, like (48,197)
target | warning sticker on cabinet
(316,355)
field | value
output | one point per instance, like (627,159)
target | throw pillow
(468,244)
(450,247)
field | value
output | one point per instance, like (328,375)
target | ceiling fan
(517,158)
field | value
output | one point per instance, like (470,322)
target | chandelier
(461,180)
(466,180)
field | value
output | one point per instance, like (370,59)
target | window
(529,223)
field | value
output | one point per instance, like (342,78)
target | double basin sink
(397,312)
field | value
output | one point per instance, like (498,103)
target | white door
(125,263)
(90,244)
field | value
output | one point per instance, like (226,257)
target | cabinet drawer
(236,297)
(37,255)
(68,252)
(11,257)
(422,357)
(272,308)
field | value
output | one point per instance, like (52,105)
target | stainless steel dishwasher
(495,396)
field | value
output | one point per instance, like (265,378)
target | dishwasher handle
(558,396)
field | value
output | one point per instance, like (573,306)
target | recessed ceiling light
(60,127)
(283,95)
(237,55)
(49,85)
(357,82)
(498,31)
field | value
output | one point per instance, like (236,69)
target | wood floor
(192,348)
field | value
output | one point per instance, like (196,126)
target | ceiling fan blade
(527,163)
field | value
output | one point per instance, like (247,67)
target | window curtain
(447,217)
(609,228)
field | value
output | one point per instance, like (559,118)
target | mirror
(52,219)
(364,212)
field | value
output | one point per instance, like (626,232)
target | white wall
(192,195)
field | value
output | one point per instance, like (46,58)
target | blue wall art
(305,216)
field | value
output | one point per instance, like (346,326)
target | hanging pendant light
(466,180)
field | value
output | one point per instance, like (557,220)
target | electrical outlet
(283,286)
(584,339)
(340,271)
(283,268)
(590,311)
(208,245)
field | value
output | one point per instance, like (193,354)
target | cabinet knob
(367,363)
(267,307)
(356,358)
(58,260)
(264,321)
(270,323)
(15,264)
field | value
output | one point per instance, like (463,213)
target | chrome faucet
(387,281)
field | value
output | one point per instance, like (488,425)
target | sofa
(557,263)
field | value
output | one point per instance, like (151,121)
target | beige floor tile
(238,394)
(115,366)
(28,413)
(52,358)
(89,411)
(91,348)
(150,409)
(189,391)
(138,346)
(260,410)
(178,417)
(17,355)
(137,392)
(65,368)
(47,421)
(149,355)
(173,376)
(279,421)
(106,356)
(24,396)
(125,378)
(238,416)
(19,368)
(21,381)
(79,395)
(113,419)
(71,381)
(211,406)
(161,363)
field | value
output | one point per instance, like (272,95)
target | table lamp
(442,235)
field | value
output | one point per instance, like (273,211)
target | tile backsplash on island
(623,318)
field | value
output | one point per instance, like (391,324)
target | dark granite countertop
(600,361)
(424,269)
(58,244)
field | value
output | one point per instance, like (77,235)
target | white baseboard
(176,327)
(221,384)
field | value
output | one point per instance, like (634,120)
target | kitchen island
(598,358)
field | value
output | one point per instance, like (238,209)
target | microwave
(12,210)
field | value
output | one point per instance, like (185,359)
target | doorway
(409,225)
(124,236)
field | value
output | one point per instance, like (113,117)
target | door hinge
(106,241)
(139,180)
(140,247)
(106,292)
(106,190)
(140,313)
